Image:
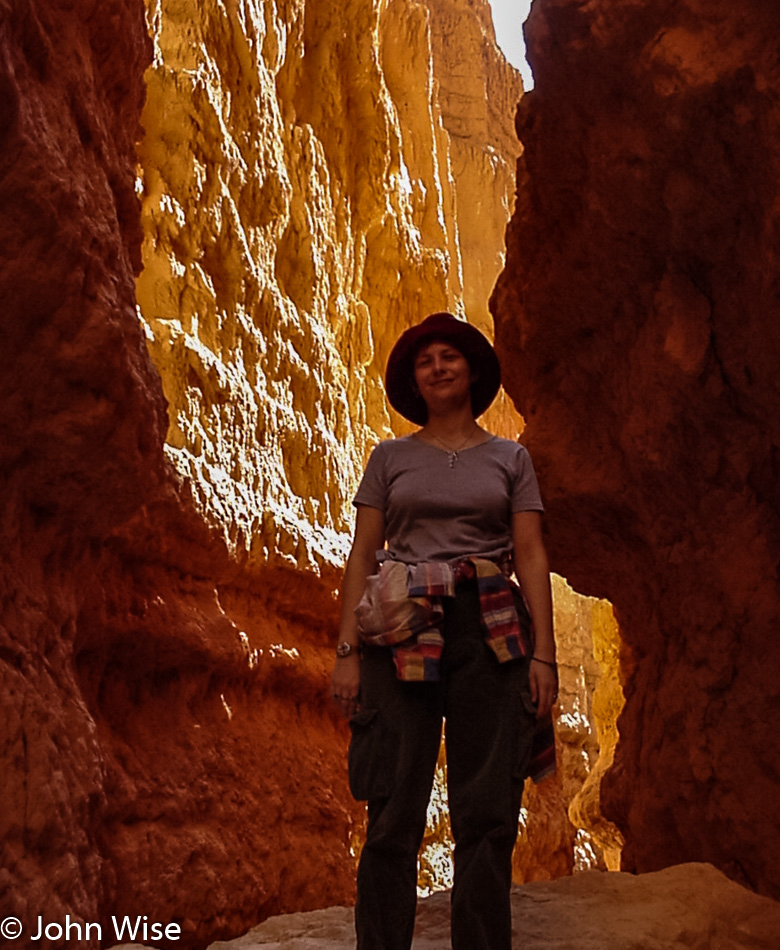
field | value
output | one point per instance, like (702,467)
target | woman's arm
(369,538)
(533,572)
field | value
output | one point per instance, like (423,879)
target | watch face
(344,649)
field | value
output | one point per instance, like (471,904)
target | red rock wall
(82,415)
(638,318)
(166,743)
(146,679)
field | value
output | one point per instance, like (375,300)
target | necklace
(452,453)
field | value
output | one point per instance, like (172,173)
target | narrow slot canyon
(217,217)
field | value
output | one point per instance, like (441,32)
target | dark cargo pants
(393,753)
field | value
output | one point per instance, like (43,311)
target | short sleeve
(525,492)
(372,490)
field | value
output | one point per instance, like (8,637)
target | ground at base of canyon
(690,906)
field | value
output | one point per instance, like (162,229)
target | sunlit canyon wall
(215,219)
(301,193)
(640,310)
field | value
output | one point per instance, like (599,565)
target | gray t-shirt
(437,512)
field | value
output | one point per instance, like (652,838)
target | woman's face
(442,375)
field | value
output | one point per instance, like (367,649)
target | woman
(432,629)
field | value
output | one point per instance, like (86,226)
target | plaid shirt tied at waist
(402,607)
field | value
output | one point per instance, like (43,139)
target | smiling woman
(434,627)
(508,19)
(442,377)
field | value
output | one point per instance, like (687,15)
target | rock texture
(563,829)
(82,418)
(638,314)
(355,171)
(689,907)
(303,173)
(149,684)
(167,581)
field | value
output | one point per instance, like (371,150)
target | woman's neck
(451,427)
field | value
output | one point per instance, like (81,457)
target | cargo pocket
(368,763)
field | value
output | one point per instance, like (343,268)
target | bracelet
(552,665)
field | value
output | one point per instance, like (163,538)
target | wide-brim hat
(475,346)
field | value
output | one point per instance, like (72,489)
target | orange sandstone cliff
(638,317)
(144,691)
(214,219)
(198,294)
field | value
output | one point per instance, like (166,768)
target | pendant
(453,458)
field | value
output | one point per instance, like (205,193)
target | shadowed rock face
(167,612)
(146,680)
(638,320)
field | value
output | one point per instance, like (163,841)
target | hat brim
(475,346)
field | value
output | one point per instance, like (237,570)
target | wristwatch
(345,649)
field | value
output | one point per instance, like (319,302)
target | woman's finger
(532,682)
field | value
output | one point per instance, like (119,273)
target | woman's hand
(544,687)
(533,572)
(345,683)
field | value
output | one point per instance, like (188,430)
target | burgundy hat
(399,375)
